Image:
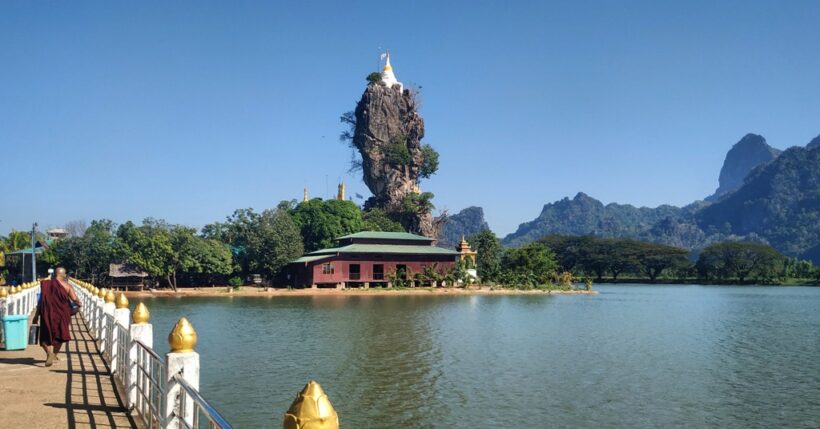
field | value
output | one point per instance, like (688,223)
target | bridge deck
(76,392)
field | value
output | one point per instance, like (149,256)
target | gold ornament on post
(311,410)
(122,301)
(182,338)
(4,292)
(140,314)
(110,298)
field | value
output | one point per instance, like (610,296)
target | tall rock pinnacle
(387,129)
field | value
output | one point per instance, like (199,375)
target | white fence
(18,300)
(160,393)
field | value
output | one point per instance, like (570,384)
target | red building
(370,259)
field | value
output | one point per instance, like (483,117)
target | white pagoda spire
(388,77)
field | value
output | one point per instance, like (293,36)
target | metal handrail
(149,385)
(215,420)
(123,341)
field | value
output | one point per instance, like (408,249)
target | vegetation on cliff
(385,131)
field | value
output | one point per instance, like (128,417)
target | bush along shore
(252,245)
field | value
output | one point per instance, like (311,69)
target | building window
(327,268)
(378,272)
(355,271)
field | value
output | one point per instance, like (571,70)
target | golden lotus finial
(182,338)
(122,300)
(101,293)
(141,314)
(110,298)
(311,410)
(4,292)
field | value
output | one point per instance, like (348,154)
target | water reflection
(632,356)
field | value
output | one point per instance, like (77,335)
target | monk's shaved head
(60,272)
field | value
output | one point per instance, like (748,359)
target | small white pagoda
(388,77)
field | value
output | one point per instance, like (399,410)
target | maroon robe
(55,313)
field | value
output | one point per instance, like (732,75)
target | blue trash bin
(15,331)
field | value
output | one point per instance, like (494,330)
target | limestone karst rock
(387,129)
(750,152)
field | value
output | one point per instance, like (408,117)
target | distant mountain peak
(748,153)
(814,144)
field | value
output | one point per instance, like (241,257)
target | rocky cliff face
(750,152)
(467,222)
(387,132)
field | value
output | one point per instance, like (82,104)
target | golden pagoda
(466,252)
(341,194)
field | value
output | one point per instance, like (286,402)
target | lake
(633,356)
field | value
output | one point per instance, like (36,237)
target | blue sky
(189,110)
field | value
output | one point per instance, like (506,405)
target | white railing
(161,393)
(18,300)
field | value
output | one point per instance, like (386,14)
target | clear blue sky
(189,110)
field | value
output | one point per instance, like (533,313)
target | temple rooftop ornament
(182,338)
(341,194)
(311,410)
(305,195)
(388,77)
(466,252)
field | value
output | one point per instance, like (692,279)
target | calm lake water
(633,356)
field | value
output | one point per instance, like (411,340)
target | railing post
(99,314)
(184,361)
(143,332)
(108,309)
(121,317)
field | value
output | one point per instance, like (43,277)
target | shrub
(374,77)
(235,281)
(396,153)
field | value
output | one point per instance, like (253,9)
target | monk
(54,313)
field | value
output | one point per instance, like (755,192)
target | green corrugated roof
(37,250)
(307,258)
(385,248)
(386,236)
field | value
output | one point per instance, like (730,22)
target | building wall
(314,272)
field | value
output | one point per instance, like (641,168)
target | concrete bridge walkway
(76,392)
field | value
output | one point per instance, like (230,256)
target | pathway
(77,392)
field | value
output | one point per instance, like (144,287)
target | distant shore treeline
(250,242)
(614,259)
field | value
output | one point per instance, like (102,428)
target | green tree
(321,222)
(654,259)
(18,240)
(149,247)
(237,232)
(533,263)
(429,164)
(213,258)
(376,219)
(489,255)
(276,242)
(740,260)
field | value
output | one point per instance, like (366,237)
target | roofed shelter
(369,258)
(126,276)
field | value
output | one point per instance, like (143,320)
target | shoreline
(252,291)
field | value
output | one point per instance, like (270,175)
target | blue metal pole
(33,257)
